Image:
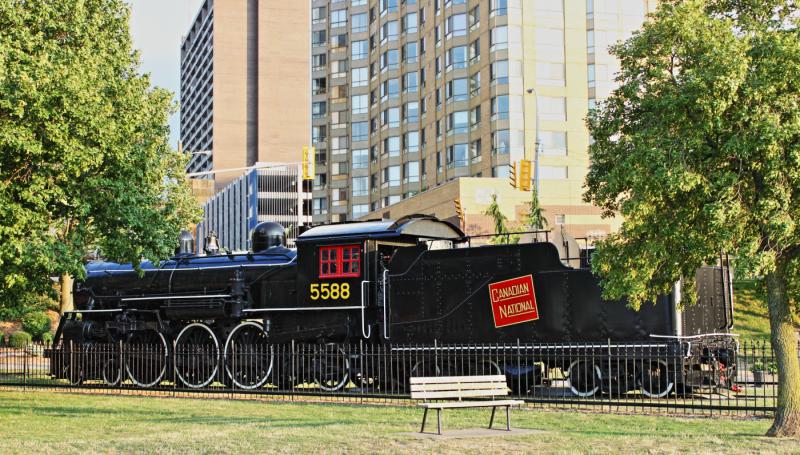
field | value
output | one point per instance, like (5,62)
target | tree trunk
(784,346)
(66,293)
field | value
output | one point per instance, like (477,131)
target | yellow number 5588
(329,291)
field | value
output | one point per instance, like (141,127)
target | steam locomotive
(414,280)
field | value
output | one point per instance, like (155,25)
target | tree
(84,157)
(535,218)
(500,221)
(699,150)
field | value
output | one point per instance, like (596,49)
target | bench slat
(457,386)
(446,379)
(460,394)
(471,404)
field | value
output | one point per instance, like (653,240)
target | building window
(339,145)
(318,109)
(410,23)
(410,82)
(501,171)
(339,68)
(458,122)
(561,218)
(475,150)
(498,8)
(318,61)
(498,39)
(411,112)
(499,72)
(475,116)
(318,15)
(590,41)
(391,176)
(391,145)
(360,159)
(390,89)
(341,261)
(339,18)
(359,49)
(411,172)
(553,143)
(456,57)
(360,210)
(475,84)
(456,25)
(359,77)
(475,18)
(360,186)
(360,131)
(501,142)
(318,37)
(457,155)
(389,31)
(411,142)
(456,90)
(553,108)
(319,206)
(318,133)
(319,86)
(391,117)
(359,23)
(338,41)
(500,107)
(358,2)
(390,60)
(388,6)
(359,104)
(591,75)
(410,54)
(475,51)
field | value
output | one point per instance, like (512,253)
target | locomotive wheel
(585,378)
(112,374)
(331,368)
(655,380)
(248,356)
(146,360)
(196,355)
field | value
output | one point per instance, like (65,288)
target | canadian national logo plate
(513,301)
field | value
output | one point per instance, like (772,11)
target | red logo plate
(513,301)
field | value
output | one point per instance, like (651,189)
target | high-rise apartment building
(244,85)
(410,94)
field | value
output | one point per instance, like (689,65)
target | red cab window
(341,261)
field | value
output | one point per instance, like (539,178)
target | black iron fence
(708,376)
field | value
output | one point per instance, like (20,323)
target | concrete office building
(275,192)
(408,95)
(244,85)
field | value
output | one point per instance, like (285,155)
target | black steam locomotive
(414,280)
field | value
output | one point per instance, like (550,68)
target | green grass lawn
(61,423)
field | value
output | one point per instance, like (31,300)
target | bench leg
(439,420)
(491,420)
(508,418)
(424,417)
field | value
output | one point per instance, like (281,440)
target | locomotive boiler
(414,280)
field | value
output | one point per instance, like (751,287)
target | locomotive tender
(414,280)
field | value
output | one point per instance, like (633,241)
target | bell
(211,243)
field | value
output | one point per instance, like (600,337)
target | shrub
(19,339)
(36,323)
(47,338)
(770,367)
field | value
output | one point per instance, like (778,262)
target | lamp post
(538,141)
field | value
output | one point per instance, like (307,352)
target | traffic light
(459,209)
(512,175)
(525,175)
(308,162)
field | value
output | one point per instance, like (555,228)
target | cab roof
(416,226)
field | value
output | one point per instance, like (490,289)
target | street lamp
(538,141)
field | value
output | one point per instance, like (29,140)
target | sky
(157,27)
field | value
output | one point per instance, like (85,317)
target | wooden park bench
(475,388)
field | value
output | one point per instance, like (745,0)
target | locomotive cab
(344,266)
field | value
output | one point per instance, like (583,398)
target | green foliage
(500,225)
(36,323)
(535,218)
(47,338)
(699,147)
(84,158)
(19,340)
(769,366)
